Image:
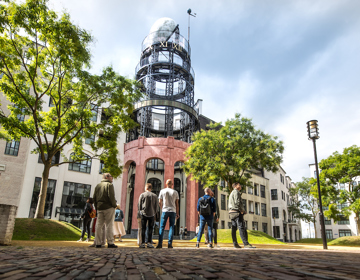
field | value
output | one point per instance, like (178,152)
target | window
(287,199)
(156,124)
(94,110)
(342,206)
(101,167)
(282,195)
(223,202)
(257,211)
(105,115)
(281,178)
(244,203)
(12,148)
(83,166)
(256,189)
(274,195)
(90,139)
(21,116)
(55,159)
(275,212)
(177,124)
(263,209)
(51,102)
(343,220)
(342,186)
(264,228)
(328,233)
(222,183)
(262,191)
(327,220)
(250,190)
(255,226)
(344,232)
(73,201)
(155,164)
(276,231)
(49,198)
(251,207)
(223,224)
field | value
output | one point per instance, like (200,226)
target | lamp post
(313,133)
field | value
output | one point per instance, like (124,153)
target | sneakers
(98,246)
(249,246)
(237,246)
(92,245)
(159,246)
(80,240)
(197,245)
(87,240)
(170,246)
(149,245)
(210,246)
(216,246)
(142,245)
(111,246)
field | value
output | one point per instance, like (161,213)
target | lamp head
(313,129)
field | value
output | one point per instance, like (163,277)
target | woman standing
(118,223)
(87,220)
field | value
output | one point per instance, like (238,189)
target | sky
(279,62)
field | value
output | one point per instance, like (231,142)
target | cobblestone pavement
(17,262)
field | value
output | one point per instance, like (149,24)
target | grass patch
(312,241)
(45,229)
(346,241)
(254,236)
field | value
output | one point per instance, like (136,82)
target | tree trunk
(39,214)
(314,222)
(357,220)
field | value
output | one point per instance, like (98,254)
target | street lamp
(313,134)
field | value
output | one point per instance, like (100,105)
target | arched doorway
(156,185)
(130,189)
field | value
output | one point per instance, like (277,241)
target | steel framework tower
(167,81)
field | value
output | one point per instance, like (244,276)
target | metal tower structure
(167,81)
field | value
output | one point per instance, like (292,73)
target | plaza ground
(74,260)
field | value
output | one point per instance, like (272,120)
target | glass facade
(49,198)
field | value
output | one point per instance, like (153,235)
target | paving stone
(85,275)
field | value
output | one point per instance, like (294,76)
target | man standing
(105,204)
(169,202)
(236,214)
(148,207)
(206,208)
(216,221)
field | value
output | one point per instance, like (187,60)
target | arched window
(82,166)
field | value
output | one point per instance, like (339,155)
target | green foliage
(43,57)
(34,229)
(342,168)
(254,236)
(230,152)
(306,205)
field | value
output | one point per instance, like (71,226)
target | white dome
(163,27)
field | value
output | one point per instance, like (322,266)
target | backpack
(205,209)
(92,214)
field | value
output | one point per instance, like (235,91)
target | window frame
(12,148)
(81,165)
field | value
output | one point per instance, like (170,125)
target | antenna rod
(193,15)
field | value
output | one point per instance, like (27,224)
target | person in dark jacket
(105,204)
(148,207)
(216,221)
(206,219)
(87,220)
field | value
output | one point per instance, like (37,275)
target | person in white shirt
(169,202)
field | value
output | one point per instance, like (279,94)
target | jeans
(86,227)
(164,218)
(239,223)
(149,229)
(203,222)
(215,227)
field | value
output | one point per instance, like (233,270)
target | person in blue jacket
(119,229)
(206,208)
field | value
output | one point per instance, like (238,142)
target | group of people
(109,221)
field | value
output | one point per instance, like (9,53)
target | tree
(231,152)
(43,57)
(343,168)
(306,206)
